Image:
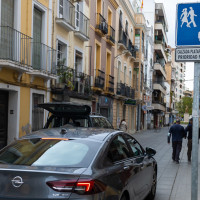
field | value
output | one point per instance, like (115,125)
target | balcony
(127,91)
(99,79)
(161,28)
(159,86)
(111,35)
(121,89)
(160,49)
(77,83)
(19,52)
(158,105)
(82,32)
(160,70)
(43,60)
(110,84)
(66,15)
(132,93)
(173,77)
(123,39)
(101,26)
(15,51)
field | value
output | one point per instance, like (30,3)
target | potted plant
(65,75)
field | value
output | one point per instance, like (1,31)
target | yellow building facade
(70,28)
(27,65)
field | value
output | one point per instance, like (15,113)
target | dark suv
(72,115)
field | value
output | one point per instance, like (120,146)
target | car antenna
(63,131)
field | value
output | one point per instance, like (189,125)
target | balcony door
(37,38)
(6,32)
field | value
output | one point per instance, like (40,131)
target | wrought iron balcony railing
(121,89)
(110,85)
(43,57)
(15,46)
(132,93)
(123,39)
(111,34)
(100,79)
(67,12)
(101,23)
(84,23)
(127,91)
(78,82)
(21,49)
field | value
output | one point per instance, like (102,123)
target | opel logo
(17,181)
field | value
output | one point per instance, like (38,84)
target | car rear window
(50,152)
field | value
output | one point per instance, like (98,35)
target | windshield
(57,121)
(50,152)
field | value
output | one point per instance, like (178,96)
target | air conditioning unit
(104,27)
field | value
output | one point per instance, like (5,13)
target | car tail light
(79,187)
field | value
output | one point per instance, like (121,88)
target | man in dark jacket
(188,133)
(178,133)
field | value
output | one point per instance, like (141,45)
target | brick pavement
(174,180)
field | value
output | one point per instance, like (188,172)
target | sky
(170,10)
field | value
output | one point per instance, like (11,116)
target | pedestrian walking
(178,133)
(123,126)
(188,134)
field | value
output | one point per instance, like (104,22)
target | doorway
(3,118)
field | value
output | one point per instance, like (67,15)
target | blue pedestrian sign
(188,24)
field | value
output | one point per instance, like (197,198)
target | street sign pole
(195,135)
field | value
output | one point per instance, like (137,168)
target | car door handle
(126,167)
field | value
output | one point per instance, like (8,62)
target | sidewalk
(174,180)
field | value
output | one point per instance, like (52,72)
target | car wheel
(152,193)
(123,197)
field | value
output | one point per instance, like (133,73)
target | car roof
(97,134)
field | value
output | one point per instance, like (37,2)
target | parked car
(72,114)
(83,163)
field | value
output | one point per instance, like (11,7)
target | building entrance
(3,118)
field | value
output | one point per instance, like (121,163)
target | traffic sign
(188,24)
(187,54)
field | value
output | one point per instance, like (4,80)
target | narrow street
(174,180)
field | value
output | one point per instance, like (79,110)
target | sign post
(195,134)
(188,42)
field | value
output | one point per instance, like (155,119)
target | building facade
(27,63)
(102,42)
(71,40)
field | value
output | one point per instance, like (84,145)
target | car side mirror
(150,151)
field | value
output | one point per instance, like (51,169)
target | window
(137,38)
(125,74)
(61,53)
(100,122)
(142,42)
(98,56)
(77,14)
(37,113)
(60,8)
(46,152)
(126,27)
(37,37)
(135,146)
(118,150)
(7,13)
(130,78)
(118,72)
(78,61)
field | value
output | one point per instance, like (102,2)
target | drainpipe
(90,62)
